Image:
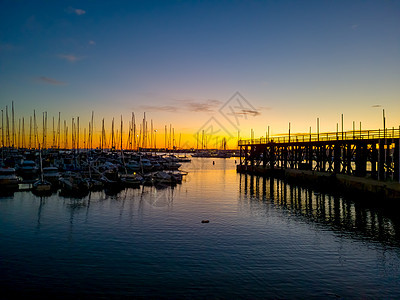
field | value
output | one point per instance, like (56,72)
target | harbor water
(219,234)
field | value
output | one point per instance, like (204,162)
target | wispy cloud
(355,26)
(91,42)
(201,106)
(376,105)
(186,105)
(167,108)
(76,11)
(253,113)
(52,81)
(245,112)
(70,57)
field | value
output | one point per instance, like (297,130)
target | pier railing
(392,133)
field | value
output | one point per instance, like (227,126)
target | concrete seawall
(340,183)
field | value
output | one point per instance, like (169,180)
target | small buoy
(205,221)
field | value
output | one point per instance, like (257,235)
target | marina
(77,173)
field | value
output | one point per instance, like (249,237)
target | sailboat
(41,186)
(128,179)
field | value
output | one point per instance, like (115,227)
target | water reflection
(144,196)
(342,215)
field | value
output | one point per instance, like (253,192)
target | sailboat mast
(144,130)
(7,129)
(13,132)
(91,131)
(34,129)
(77,135)
(58,131)
(19,134)
(2,136)
(131,132)
(2,129)
(121,133)
(54,136)
(112,135)
(30,132)
(134,130)
(103,133)
(65,134)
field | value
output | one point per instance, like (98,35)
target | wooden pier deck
(369,159)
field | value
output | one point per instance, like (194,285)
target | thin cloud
(51,81)
(376,105)
(167,108)
(246,112)
(355,26)
(251,112)
(69,57)
(76,11)
(186,105)
(197,106)
(91,42)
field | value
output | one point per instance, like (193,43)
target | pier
(367,160)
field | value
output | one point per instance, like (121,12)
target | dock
(353,161)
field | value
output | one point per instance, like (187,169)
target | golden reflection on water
(338,213)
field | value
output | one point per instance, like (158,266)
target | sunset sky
(226,66)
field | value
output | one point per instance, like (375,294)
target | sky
(220,67)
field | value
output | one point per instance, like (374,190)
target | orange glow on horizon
(189,132)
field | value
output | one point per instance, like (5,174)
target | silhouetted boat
(162,177)
(73,183)
(94,184)
(52,175)
(131,180)
(8,179)
(132,165)
(111,180)
(27,169)
(42,187)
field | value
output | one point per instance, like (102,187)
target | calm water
(265,239)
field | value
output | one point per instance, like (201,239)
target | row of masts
(204,141)
(72,136)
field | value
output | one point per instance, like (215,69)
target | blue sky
(180,61)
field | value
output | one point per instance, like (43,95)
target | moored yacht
(171,164)
(73,183)
(27,169)
(132,165)
(145,164)
(131,180)
(42,186)
(52,175)
(8,179)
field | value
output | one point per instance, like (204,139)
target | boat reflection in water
(357,218)
(8,181)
